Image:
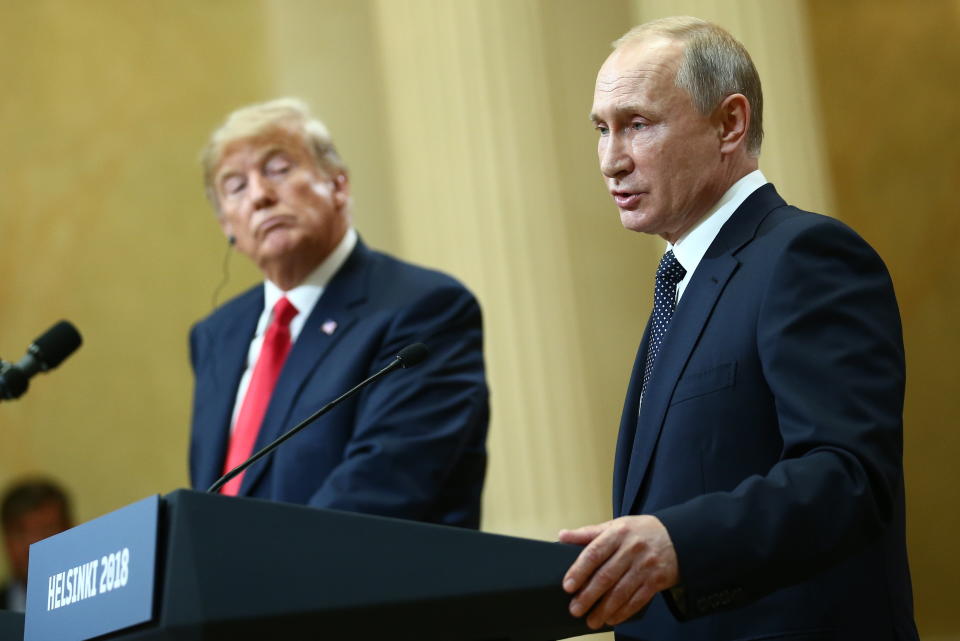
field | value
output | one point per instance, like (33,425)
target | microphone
(45,353)
(407,357)
(412,355)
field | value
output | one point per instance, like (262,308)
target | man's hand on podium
(626,562)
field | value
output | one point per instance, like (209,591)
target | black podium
(11,626)
(238,569)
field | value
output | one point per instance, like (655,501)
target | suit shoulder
(405,279)
(791,245)
(251,299)
(790,227)
(789,221)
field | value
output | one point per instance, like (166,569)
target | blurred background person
(32,509)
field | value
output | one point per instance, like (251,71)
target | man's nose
(614,159)
(262,192)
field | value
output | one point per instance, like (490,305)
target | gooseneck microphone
(44,354)
(408,357)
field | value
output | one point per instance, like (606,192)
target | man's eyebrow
(268,153)
(262,157)
(272,151)
(621,110)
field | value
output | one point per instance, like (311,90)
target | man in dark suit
(32,509)
(758,476)
(330,313)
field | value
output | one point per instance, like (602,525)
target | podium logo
(88,580)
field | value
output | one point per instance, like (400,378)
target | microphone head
(412,354)
(55,344)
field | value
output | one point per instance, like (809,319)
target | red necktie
(276,346)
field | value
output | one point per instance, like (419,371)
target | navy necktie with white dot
(669,273)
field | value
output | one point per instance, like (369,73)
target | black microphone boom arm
(408,357)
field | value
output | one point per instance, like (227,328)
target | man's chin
(277,246)
(635,220)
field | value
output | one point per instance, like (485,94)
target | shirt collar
(305,295)
(693,245)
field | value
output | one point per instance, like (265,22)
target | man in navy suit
(410,446)
(758,476)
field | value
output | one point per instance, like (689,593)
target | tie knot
(283,312)
(670,269)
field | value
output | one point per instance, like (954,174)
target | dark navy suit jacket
(411,445)
(769,440)
(4,596)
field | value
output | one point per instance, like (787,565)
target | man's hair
(290,114)
(714,66)
(25,496)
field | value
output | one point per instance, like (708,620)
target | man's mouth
(272,223)
(627,199)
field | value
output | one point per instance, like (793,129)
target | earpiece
(231,241)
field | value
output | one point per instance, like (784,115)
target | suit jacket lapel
(693,311)
(345,291)
(229,353)
(688,321)
(628,424)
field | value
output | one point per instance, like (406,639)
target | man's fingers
(616,597)
(592,557)
(601,580)
(582,535)
(589,559)
(640,597)
(629,560)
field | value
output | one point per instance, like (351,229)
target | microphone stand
(408,356)
(13,383)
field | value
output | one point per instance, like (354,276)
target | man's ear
(227,229)
(341,188)
(732,119)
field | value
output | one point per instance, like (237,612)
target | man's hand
(626,562)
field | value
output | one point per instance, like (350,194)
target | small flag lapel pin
(329,327)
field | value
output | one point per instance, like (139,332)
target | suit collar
(305,295)
(691,248)
(743,225)
(694,309)
(628,426)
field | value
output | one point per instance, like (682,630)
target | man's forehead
(257,146)
(44,514)
(636,69)
(647,58)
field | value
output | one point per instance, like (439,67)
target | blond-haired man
(330,313)
(758,477)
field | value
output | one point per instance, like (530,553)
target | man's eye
(234,185)
(639,125)
(278,166)
(602,129)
